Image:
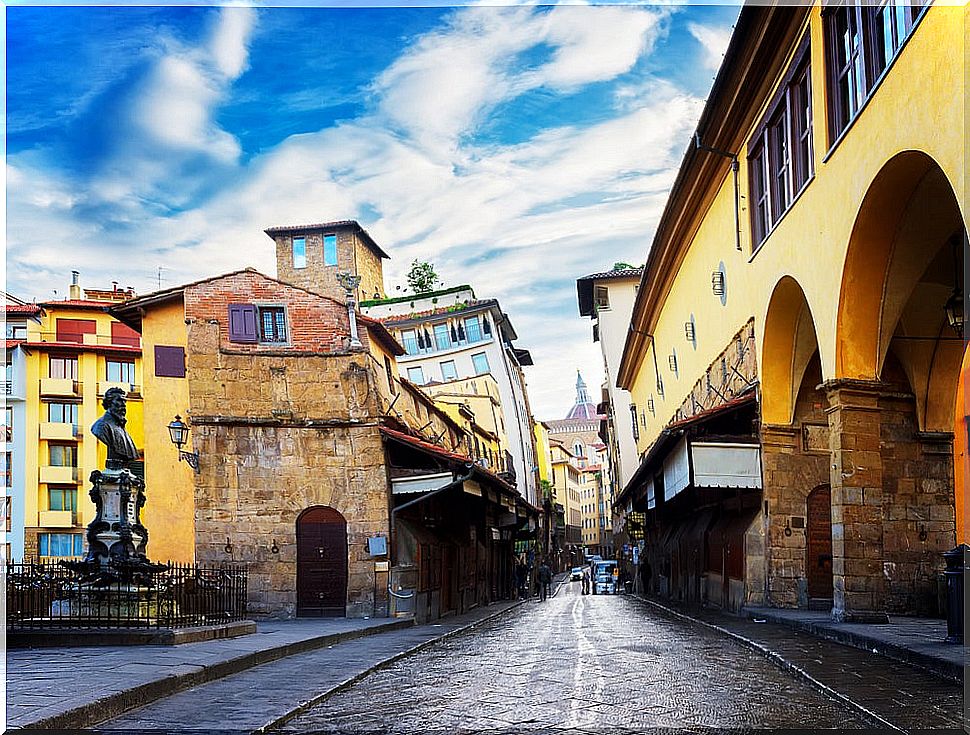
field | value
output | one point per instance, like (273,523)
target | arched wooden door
(321,563)
(818,548)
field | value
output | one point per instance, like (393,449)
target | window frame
(873,64)
(76,544)
(477,368)
(260,323)
(107,371)
(71,359)
(420,370)
(62,404)
(776,177)
(299,263)
(329,239)
(63,491)
(51,446)
(8,469)
(454,371)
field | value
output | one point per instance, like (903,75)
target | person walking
(586,581)
(545,579)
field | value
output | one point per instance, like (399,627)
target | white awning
(420,483)
(723,464)
(676,470)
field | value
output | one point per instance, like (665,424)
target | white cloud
(714,40)
(520,222)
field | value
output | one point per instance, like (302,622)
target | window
(61,498)
(442,337)
(473,329)
(861,42)
(62,413)
(416,375)
(8,423)
(73,330)
(7,517)
(16,331)
(63,367)
(636,423)
(61,544)
(480,363)
(330,250)
(449,371)
(299,252)
(780,159)
(119,371)
(578,449)
(169,362)
(62,455)
(7,469)
(124,335)
(409,338)
(272,324)
(602,296)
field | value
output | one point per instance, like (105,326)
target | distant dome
(583,408)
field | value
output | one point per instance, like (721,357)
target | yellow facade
(49,481)
(543,459)
(917,107)
(169,512)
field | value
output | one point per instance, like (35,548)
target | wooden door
(321,563)
(818,549)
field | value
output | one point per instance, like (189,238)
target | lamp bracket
(191,458)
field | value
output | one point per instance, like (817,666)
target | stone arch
(788,345)
(898,273)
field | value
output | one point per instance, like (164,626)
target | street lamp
(179,434)
(954,311)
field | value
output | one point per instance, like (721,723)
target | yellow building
(72,354)
(567,483)
(795,303)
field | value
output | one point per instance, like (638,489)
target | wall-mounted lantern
(689,331)
(717,283)
(179,433)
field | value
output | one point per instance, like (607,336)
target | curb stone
(783,664)
(351,681)
(114,705)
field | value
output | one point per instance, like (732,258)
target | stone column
(784,555)
(854,415)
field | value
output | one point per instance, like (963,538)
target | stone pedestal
(857,500)
(115,602)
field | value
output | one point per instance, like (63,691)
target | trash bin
(956,566)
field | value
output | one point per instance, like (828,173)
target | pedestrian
(521,579)
(545,579)
(586,581)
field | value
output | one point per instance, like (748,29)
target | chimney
(114,287)
(75,286)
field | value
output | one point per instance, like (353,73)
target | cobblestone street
(573,663)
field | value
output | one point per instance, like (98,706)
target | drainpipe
(737,192)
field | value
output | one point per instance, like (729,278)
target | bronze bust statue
(110,429)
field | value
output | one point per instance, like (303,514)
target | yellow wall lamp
(179,433)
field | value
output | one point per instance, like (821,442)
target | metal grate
(46,595)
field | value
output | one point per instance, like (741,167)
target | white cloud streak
(518,221)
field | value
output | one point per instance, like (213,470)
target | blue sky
(517,148)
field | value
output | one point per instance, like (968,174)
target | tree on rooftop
(621,266)
(422,277)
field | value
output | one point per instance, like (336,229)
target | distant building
(579,431)
(450,336)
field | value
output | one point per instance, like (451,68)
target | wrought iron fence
(182,596)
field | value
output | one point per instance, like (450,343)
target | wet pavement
(587,663)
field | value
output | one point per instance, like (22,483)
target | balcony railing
(132,389)
(47,595)
(104,340)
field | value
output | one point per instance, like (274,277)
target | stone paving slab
(895,694)
(916,641)
(268,695)
(76,687)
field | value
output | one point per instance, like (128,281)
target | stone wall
(280,429)
(352,255)
(795,461)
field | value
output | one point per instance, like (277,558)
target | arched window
(578,449)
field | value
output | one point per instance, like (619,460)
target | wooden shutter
(122,334)
(73,330)
(242,323)
(169,362)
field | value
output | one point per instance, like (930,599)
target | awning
(420,483)
(726,464)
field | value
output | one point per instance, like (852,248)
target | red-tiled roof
(11,343)
(22,309)
(79,304)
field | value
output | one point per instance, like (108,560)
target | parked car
(605,584)
(575,573)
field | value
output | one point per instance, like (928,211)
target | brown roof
(23,309)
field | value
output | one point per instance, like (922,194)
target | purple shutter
(169,362)
(242,323)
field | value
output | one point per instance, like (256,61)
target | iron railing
(43,595)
